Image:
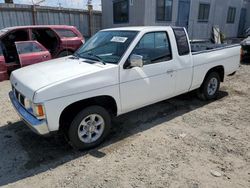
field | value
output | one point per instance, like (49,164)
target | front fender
(55,107)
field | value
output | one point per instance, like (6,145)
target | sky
(64,3)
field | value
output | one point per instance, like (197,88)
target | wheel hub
(91,128)
(212,86)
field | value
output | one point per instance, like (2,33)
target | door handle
(170,71)
(45,56)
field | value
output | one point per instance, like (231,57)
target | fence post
(33,11)
(90,11)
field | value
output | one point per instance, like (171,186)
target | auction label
(119,39)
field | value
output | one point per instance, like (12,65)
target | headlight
(38,111)
(27,104)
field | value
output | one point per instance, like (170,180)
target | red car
(25,45)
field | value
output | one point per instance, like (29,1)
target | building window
(231,15)
(164,10)
(204,12)
(121,11)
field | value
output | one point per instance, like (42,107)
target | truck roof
(137,28)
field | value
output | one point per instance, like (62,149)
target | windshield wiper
(93,56)
(74,56)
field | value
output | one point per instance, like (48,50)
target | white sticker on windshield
(119,39)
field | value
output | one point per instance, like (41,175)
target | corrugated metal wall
(144,13)
(16,15)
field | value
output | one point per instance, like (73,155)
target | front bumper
(38,126)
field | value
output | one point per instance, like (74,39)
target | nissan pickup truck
(117,71)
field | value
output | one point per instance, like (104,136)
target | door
(31,52)
(183,13)
(48,38)
(155,81)
(3,67)
(8,43)
(243,14)
(2,60)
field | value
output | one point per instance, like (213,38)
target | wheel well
(220,70)
(72,110)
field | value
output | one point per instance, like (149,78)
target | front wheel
(89,128)
(210,87)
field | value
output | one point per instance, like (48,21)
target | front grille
(19,96)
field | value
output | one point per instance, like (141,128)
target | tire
(210,87)
(89,122)
(64,53)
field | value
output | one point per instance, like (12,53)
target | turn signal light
(40,112)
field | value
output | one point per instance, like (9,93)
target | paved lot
(182,142)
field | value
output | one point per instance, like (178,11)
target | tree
(89,2)
(8,1)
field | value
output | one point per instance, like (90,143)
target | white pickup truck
(116,71)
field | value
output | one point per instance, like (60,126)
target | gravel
(174,143)
(215,173)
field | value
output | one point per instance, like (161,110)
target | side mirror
(135,61)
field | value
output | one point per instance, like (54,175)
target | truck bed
(227,56)
(203,46)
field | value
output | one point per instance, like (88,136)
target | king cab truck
(117,71)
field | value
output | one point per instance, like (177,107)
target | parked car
(246,49)
(58,41)
(115,72)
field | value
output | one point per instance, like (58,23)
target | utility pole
(90,10)
(33,10)
(59,4)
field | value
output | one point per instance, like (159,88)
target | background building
(198,16)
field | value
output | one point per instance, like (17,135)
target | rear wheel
(210,87)
(89,128)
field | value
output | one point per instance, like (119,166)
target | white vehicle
(247,34)
(116,71)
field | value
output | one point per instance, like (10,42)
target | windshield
(107,46)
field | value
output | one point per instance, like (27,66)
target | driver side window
(154,47)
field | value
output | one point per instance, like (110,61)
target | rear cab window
(181,41)
(65,33)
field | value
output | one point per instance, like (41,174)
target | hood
(29,79)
